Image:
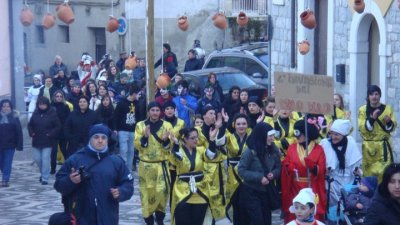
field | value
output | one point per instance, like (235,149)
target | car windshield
(227,80)
(261,54)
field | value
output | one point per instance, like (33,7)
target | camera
(84,174)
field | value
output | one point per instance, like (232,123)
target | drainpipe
(12,63)
(293,45)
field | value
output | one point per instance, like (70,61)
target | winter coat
(252,171)
(124,118)
(184,112)
(63,112)
(204,102)
(169,62)
(11,133)
(383,211)
(76,128)
(44,128)
(354,197)
(55,68)
(192,64)
(94,203)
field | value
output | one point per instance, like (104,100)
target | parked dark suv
(227,77)
(252,58)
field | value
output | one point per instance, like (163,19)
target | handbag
(273,196)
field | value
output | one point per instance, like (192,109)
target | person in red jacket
(304,168)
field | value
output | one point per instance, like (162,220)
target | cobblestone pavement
(27,202)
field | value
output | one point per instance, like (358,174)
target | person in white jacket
(33,93)
(343,157)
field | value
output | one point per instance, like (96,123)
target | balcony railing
(250,7)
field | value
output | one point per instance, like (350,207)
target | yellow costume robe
(154,178)
(269,120)
(191,166)
(215,171)
(234,151)
(284,136)
(376,146)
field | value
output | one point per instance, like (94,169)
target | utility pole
(150,51)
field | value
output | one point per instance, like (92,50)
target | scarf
(173,120)
(301,152)
(4,117)
(340,150)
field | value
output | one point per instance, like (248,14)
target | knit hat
(206,109)
(77,83)
(372,88)
(38,76)
(371,182)
(153,104)
(342,127)
(256,100)
(122,75)
(169,104)
(300,128)
(99,129)
(305,195)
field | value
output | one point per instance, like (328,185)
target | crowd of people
(208,157)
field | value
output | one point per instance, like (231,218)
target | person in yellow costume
(235,145)
(339,112)
(169,108)
(270,111)
(153,144)
(376,121)
(284,127)
(191,192)
(215,169)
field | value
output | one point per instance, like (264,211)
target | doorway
(100,42)
(373,54)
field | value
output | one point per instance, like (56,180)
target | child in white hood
(304,207)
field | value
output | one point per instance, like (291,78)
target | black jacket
(63,112)
(94,203)
(44,127)
(55,68)
(124,118)
(252,171)
(192,64)
(383,211)
(11,133)
(76,128)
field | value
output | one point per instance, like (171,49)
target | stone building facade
(366,43)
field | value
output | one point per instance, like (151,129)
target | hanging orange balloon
(65,13)
(242,19)
(183,23)
(26,16)
(48,21)
(308,19)
(112,24)
(163,81)
(220,20)
(304,47)
(359,6)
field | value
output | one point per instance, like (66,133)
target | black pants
(255,204)
(192,214)
(53,156)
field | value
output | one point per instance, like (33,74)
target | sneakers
(52,172)
(5,184)
(45,183)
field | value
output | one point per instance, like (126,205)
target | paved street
(27,202)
